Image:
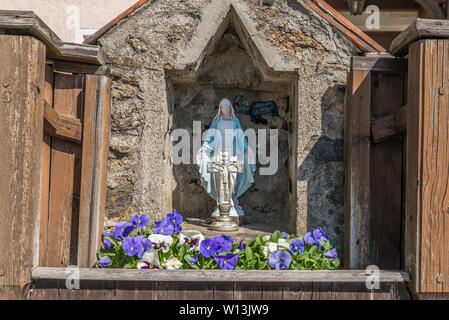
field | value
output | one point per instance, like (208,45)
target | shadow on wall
(323,168)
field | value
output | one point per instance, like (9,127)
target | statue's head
(225,109)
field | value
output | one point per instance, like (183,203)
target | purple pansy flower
(159,245)
(176,219)
(284,235)
(221,244)
(297,246)
(132,246)
(194,259)
(280,260)
(242,245)
(139,221)
(104,262)
(122,229)
(332,254)
(316,237)
(208,247)
(192,242)
(144,244)
(107,243)
(228,238)
(228,261)
(164,226)
(149,266)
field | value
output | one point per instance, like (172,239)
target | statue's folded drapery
(241,151)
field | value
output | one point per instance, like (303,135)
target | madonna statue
(225,132)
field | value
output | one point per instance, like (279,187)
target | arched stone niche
(230,65)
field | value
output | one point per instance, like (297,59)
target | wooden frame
(335,276)
(427,221)
(59,138)
(374,103)
(50,283)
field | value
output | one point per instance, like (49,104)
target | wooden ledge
(28,23)
(340,276)
(419,29)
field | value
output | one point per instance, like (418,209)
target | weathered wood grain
(420,29)
(60,126)
(389,126)
(223,291)
(248,290)
(427,171)
(45,172)
(364,43)
(346,276)
(77,68)
(28,23)
(386,176)
(95,160)
(65,170)
(87,173)
(99,189)
(380,63)
(272,291)
(22,82)
(137,290)
(219,285)
(357,169)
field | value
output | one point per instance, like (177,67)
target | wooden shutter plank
(87,173)
(101,164)
(357,162)
(95,156)
(386,177)
(64,176)
(45,173)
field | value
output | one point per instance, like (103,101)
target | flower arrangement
(135,244)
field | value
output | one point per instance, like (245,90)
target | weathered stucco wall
(161,36)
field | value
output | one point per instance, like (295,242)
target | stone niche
(171,63)
(229,70)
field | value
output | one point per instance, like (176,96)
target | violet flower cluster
(165,245)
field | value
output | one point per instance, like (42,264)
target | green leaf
(249,253)
(113,241)
(182,251)
(275,236)
(105,253)
(261,265)
(259,241)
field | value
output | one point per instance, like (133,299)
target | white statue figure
(225,132)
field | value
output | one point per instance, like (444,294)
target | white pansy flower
(269,248)
(265,251)
(266,238)
(272,247)
(283,243)
(173,263)
(163,241)
(194,236)
(152,258)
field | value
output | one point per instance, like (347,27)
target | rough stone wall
(151,39)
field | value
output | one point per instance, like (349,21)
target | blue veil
(240,149)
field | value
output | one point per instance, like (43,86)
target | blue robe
(240,147)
